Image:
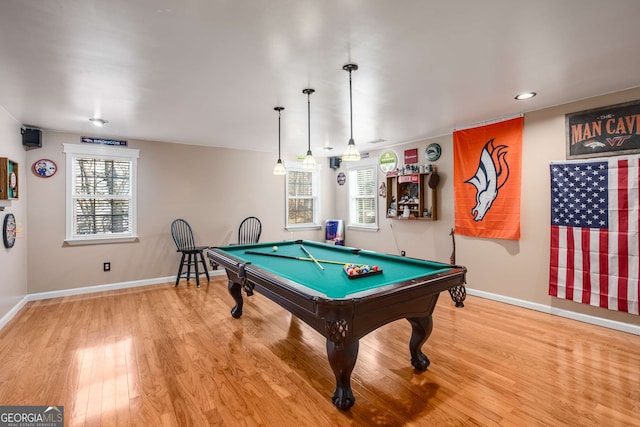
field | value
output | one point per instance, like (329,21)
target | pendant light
(351,154)
(279,169)
(309,162)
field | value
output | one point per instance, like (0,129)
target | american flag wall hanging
(595,217)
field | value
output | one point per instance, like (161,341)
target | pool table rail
(392,302)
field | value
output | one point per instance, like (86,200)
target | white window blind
(303,201)
(101,193)
(102,196)
(363,197)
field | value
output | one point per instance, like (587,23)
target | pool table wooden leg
(458,295)
(235,290)
(342,358)
(421,328)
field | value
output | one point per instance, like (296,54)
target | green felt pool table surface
(332,282)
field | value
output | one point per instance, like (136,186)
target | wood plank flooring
(165,356)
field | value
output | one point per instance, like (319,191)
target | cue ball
(275,249)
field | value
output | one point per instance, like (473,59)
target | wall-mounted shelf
(9,188)
(413,194)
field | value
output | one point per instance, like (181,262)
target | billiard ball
(275,249)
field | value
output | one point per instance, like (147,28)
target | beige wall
(13,262)
(211,188)
(514,269)
(215,188)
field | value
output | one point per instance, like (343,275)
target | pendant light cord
(279,135)
(309,120)
(351,154)
(351,104)
(309,161)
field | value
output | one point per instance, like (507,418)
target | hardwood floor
(164,356)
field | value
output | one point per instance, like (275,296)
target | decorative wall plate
(388,161)
(433,151)
(45,168)
(9,230)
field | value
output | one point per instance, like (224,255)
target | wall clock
(9,230)
(45,168)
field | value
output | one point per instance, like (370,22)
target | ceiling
(210,72)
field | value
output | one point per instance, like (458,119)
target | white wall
(13,262)
(215,188)
(515,269)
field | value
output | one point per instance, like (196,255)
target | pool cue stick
(299,258)
(311,256)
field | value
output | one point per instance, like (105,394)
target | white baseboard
(611,324)
(88,290)
(14,310)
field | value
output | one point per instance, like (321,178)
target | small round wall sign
(45,168)
(433,151)
(388,161)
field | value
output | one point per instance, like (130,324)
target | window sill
(361,228)
(100,241)
(303,227)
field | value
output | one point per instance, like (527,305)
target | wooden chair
(250,230)
(192,255)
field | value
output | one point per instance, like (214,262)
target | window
(303,200)
(101,193)
(363,197)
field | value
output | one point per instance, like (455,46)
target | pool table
(314,287)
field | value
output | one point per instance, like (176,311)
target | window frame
(106,153)
(316,196)
(352,169)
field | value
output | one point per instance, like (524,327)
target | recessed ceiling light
(97,121)
(525,95)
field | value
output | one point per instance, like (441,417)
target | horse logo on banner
(492,174)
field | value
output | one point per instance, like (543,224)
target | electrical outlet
(403,253)
(106,266)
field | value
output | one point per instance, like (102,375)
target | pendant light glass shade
(309,162)
(351,154)
(279,169)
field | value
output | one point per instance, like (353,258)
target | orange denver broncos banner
(487,165)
